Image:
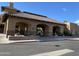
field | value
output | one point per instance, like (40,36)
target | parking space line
(55,53)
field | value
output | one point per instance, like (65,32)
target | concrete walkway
(20,41)
(39,39)
(44,39)
(57,38)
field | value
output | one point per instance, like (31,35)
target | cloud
(64,9)
(77,22)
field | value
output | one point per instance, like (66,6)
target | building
(73,28)
(14,22)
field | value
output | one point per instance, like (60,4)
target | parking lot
(35,48)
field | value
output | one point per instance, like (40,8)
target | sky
(59,11)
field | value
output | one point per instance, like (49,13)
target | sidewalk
(41,39)
(22,41)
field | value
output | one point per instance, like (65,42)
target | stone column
(10,27)
(5,28)
(3,38)
(34,29)
(61,29)
(7,25)
(50,30)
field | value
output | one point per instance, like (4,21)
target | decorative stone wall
(32,24)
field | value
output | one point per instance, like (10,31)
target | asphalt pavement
(34,48)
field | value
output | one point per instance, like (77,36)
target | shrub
(67,33)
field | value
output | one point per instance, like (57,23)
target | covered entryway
(21,28)
(56,30)
(42,30)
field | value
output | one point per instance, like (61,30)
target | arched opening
(1,28)
(56,30)
(21,28)
(42,29)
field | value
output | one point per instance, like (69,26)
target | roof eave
(40,20)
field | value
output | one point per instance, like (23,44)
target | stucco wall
(74,29)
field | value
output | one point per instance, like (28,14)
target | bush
(67,33)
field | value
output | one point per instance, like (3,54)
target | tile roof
(36,17)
